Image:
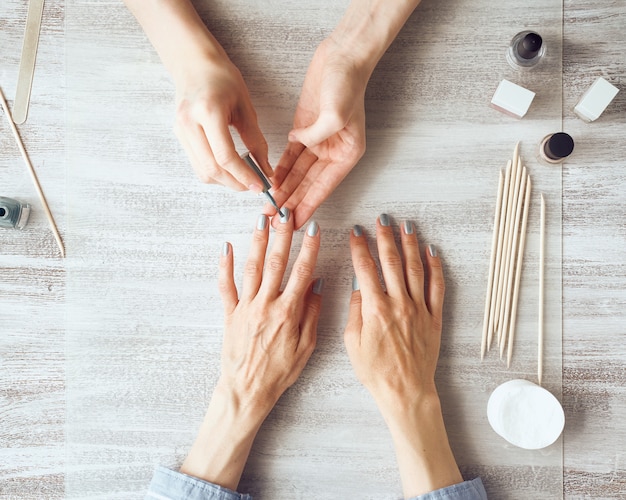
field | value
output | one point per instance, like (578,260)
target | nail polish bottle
(13,214)
(526,50)
(554,148)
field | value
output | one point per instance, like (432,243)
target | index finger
(226,156)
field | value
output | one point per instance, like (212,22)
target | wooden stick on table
(496,275)
(505,244)
(518,273)
(32,172)
(542,231)
(492,263)
(509,251)
(514,245)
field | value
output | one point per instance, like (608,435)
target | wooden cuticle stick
(32,172)
(502,334)
(496,277)
(514,256)
(542,246)
(518,272)
(505,247)
(492,264)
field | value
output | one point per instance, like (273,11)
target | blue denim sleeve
(467,490)
(167,484)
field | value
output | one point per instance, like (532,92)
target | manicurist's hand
(269,335)
(392,338)
(211,94)
(328,137)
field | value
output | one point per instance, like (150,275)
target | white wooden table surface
(107,358)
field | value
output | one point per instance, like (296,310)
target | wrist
(366,31)
(177,32)
(224,440)
(424,455)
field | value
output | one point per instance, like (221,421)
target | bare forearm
(176,31)
(424,455)
(368,27)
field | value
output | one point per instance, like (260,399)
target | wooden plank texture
(107,360)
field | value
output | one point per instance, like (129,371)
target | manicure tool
(254,165)
(27,62)
(33,174)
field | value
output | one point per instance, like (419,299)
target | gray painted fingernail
(355,284)
(432,250)
(408,227)
(318,286)
(261,222)
(312,229)
(225,249)
(384,220)
(285,217)
(357,230)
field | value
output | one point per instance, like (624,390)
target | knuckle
(378,309)
(206,177)
(315,306)
(224,157)
(252,268)
(184,115)
(440,286)
(415,271)
(303,271)
(393,261)
(406,310)
(258,236)
(276,263)
(364,264)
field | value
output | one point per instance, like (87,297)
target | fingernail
(357,231)
(225,249)
(285,216)
(261,222)
(384,220)
(355,284)
(432,250)
(312,229)
(408,227)
(318,286)
(255,188)
(292,137)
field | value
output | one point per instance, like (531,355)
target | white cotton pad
(593,102)
(512,99)
(525,414)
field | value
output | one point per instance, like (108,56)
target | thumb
(328,123)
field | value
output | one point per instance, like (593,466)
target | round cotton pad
(525,414)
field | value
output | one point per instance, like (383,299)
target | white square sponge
(512,99)
(593,102)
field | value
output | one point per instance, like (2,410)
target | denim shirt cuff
(167,484)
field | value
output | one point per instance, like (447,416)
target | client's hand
(392,338)
(269,336)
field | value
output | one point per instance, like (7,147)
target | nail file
(27,62)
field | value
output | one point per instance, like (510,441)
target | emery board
(27,62)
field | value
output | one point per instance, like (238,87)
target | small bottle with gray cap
(13,214)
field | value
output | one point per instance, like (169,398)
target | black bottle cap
(529,46)
(559,146)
